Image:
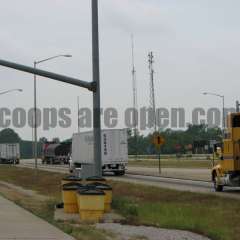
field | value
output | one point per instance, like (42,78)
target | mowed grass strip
(209,215)
(170,163)
(43,182)
(48,184)
(212,216)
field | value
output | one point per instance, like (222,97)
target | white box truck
(114,150)
(9,153)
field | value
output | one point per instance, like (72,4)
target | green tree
(8,135)
(173,138)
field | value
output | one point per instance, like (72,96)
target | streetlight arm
(11,90)
(223,109)
(73,81)
(50,58)
(213,94)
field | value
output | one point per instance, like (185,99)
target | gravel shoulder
(126,232)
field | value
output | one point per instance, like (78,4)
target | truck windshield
(236,121)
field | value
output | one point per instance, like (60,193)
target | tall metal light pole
(96,93)
(223,106)
(11,90)
(78,120)
(35,102)
(93,86)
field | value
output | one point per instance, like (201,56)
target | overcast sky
(196,46)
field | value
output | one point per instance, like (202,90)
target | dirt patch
(111,217)
(43,182)
(126,232)
(19,190)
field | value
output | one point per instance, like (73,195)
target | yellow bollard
(91,204)
(108,194)
(69,196)
(71,179)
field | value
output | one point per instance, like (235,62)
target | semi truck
(56,153)
(114,150)
(227,171)
(9,153)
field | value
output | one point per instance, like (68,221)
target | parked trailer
(56,153)
(114,150)
(10,153)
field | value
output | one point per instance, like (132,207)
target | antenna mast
(135,103)
(152,89)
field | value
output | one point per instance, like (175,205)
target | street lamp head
(67,55)
(20,90)
(204,93)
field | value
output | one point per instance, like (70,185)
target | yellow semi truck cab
(227,171)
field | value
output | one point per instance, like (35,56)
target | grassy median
(215,217)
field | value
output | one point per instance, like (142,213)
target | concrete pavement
(19,224)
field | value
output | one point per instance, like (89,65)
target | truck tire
(119,173)
(217,187)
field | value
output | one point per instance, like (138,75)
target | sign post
(158,141)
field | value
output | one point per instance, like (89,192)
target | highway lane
(157,181)
(186,173)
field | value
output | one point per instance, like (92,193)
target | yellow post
(108,194)
(91,204)
(70,198)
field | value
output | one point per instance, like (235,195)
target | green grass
(170,163)
(48,184)
(217,218)
(212,216)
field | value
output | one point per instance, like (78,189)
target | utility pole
(35,118)
(152,90)
(135,102)
(78,122)
(35,103)
(96,93)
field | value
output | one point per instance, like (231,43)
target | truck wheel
(217,187)
(120,173)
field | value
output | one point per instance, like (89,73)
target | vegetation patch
(199,213)
(212,216)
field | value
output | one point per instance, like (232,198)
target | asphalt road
(185,173)
(143,177)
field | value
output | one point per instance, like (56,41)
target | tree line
(176,141)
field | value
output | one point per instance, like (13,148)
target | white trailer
(114,150)
(10,153)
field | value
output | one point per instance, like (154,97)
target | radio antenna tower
(135,103)
(152,90)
